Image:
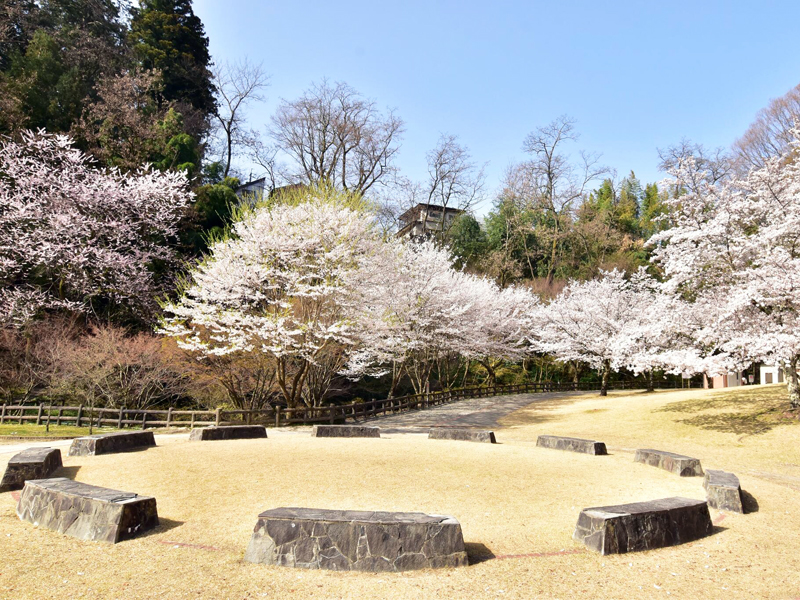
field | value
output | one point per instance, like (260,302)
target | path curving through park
(475,412)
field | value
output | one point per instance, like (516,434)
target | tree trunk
(606,372)
(651,386)
(491,376)
(575,374)
(792,381)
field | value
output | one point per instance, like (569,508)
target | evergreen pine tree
(166,35)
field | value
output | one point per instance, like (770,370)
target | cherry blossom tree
(278,285)
(662,334)
(80,238)
(734,249)
(498,324)
(418,314)
(590,322)
(411,316)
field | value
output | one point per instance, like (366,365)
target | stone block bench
(462,435)
(685,466)
(108,443)
(86,512)
(642,525)
(723,491)
(229,432)
(344,540)
(347,431)
(557,442)
(33,463)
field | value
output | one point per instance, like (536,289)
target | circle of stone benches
(229,432)
(462,434)
(685,466)
(109,443)
(723,491)
(32,463)
(344,540)
(346,431)
(84,511)
(571,444)
(642,525)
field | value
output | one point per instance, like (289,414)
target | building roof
(413,212)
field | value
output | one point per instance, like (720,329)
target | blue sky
(636,76)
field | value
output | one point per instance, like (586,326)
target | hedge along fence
(82,416)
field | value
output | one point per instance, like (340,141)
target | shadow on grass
(538,411)
(68,472)
(745,411)
(164,525)
(478,553)
(749,503)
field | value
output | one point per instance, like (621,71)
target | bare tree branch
(238,85)
(336,136)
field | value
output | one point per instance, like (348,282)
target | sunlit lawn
(517,504)
(30,430)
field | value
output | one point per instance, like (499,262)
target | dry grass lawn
(517,504)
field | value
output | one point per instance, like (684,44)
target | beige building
(427,219)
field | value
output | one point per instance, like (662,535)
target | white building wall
(773,374)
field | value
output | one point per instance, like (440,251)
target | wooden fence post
(3,415)
(191,425)
(217,416)
(80,412)
(39,414)
(119,420)
(144,420)
(169,415)
(277,416)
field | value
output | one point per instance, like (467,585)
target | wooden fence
(82,416)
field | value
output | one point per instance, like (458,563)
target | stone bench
(642,525)
(461,435)
(229,432)
(86,512)
(685,466)
(108,443)
(343,540)
(348,431)
(723,491)
(557,442)
(33,463)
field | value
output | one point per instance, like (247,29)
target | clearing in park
(517,503)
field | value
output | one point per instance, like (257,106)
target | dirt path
(476,412)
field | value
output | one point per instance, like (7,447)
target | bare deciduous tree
(454,181)
(554,181)
(770,134)
(701,163)
(265,155)
(238,84)
(336,136)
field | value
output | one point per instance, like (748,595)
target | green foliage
(467,241)
(652,208)
(166,35)
(52,54)
(213,172)
(178,150)
(47,92)
(211,214)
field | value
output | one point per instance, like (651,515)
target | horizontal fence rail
(82,416)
